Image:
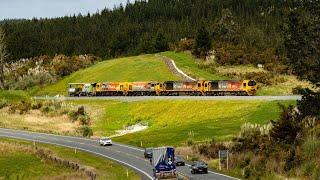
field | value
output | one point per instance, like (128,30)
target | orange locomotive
(166,88)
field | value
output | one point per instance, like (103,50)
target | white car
(105,142)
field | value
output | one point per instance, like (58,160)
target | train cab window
(244,84)
(160,85)
(252,83)
(205,85)
(199,84)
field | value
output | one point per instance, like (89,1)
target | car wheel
(192,172)
(206,172)
(183,164)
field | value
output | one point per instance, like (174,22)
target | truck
(163,163)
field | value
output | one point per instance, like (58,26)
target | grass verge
(22,163)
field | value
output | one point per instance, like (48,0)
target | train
(165,88)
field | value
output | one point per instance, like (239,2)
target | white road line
(72,137)
(122,162)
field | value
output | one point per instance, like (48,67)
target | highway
(146,98)
(129,156)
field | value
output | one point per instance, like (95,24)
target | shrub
(211,150)
(36,105)
(3,103)
(84,119)
(86,131)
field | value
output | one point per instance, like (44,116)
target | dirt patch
(130,129)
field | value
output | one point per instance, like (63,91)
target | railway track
(200,98)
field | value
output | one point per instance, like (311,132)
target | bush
(86,131)
(84,119)
(3,103)
(211,150)
(36,105)
(23,107)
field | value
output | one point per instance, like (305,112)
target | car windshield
(200,163)
(105,139)
(148,150)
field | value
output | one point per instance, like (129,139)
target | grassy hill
(278,84)
(171,121)
(137,68)
(150,67)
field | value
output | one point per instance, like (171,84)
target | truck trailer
(163,163)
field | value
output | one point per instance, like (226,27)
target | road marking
(72,137)
(108,157)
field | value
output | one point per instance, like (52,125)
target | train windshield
(252,83)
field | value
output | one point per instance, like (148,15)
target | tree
(161,43)
(3,57)
(302,40)
(203,42)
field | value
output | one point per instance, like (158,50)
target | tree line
(147,27)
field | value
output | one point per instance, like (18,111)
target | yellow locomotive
(166,88)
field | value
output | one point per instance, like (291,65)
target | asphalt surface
(146,98)
(129,156)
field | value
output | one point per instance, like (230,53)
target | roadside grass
(35,121)
(137,68)
(174,122)
(18,163)
(13,95)
(188,65)
(24,164)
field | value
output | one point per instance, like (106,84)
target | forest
(151,26)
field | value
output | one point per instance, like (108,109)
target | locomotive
(166,88)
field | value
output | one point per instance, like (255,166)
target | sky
(28,9)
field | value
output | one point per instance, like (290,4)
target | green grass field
(170,122)
(137,68)
(19,165)
(188,65)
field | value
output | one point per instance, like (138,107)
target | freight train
(166,88)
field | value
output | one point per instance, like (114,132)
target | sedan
(179,161)
(148,153)
(105,142)
(199,167)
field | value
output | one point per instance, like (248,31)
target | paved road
(145,98)
(126,155)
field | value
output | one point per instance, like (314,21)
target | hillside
(170,122)
(151,67)
(137,68)
(269,83)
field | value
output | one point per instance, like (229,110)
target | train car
(81,89)
(110,89)
(227,87)
(141,88)
(75,89)
(177,88)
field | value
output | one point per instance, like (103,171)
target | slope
(137,68)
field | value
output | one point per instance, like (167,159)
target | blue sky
(10,9)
